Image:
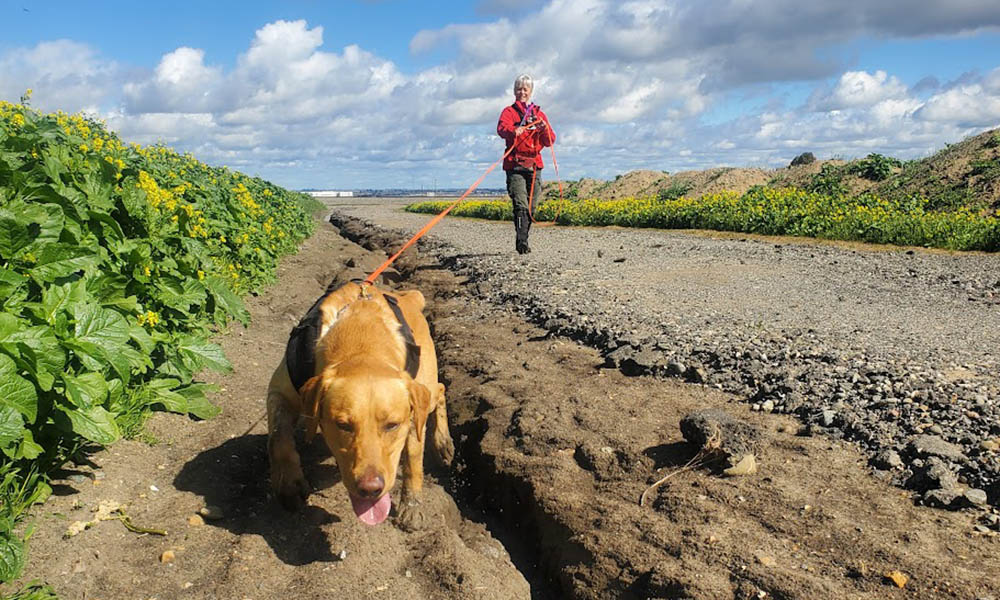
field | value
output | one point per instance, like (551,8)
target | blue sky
(373,94)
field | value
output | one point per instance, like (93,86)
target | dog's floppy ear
(312,394)
(420,405)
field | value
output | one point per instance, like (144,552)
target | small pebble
(976,497)
(765,560)
(167,556)
(211,513)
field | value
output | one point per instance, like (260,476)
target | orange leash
(555,165)
(370,280)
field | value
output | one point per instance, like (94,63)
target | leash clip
(365,293)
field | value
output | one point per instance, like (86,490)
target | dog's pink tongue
(372,512)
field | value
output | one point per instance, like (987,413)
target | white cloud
(970,104)
(625,84)
(181,82)
(63,74)
(857,89)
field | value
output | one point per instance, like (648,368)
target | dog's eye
(390,427)
(345,426)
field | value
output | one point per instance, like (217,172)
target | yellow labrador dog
(361,367)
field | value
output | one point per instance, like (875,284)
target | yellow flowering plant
(114,272)
(768,211)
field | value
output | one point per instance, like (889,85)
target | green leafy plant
(117,263)
(829,181)
(17,494)
(34,590)
(675,190)
(875,167)
(769,211)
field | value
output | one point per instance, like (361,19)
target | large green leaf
(93,423)
(60,260)
(88,389)
(11,556)
(29,449)
(9,281)
(103,327)
(41,353)
(57,298)
(180,294)
(16,391)
(12,427)
(198,404)
(50,219)
(111,229)
(227,300)
(9,326)
(141,337)
(99,339)
(188,400)
(98,192)
(96,358)
(198,353)
(52,162)
(14,236)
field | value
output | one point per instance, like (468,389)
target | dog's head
(365,410)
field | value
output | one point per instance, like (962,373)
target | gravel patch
(892,348)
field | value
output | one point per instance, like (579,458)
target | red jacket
(531,142)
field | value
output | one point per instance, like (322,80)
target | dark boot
(521,225)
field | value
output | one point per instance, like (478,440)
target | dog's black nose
(371,484)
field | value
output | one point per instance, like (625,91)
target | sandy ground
(553,453)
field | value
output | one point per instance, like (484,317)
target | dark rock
(675,369)
(931,445)
(934,474)
(887,460)
(696,375)
(941,497)
(716,430)
(805,158)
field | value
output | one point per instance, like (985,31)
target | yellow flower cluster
(148,318)
(770,211)
(246,199)
(156,195)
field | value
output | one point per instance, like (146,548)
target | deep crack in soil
(553,453)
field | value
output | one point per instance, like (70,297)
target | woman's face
(522,93)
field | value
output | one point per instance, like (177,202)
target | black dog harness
(300,353)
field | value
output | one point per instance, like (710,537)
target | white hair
(524,80)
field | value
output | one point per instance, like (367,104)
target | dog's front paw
(291,488)
(411,515)
(444,448)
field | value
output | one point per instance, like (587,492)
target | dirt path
(554,452)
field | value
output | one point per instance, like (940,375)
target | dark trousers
(518,184)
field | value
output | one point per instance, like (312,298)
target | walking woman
(524,124)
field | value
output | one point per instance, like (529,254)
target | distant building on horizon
(330,194)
